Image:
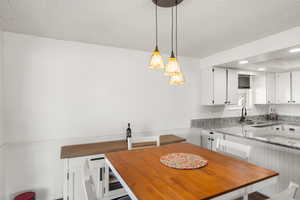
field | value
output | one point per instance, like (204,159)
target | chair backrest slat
(134,140)
(289,193)
(293,188)
(88,183)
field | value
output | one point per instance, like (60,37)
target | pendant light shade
(156,61)
(177,79)
(172,68)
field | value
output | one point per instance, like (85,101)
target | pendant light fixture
(178,78)
(156,61)
(172,68)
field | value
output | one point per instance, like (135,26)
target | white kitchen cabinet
(73,182)
(271,88)
(213,85)
(219,82)
(260,89)
(296,87)
(219,86)
(264,88)
(283,85)
(232,87)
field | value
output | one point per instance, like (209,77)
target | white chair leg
(245,197)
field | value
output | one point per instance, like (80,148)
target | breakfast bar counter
(73,151)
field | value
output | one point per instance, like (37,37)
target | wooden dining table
(144,177)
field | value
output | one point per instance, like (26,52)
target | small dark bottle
(128,132)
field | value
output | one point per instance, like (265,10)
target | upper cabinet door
(232,87)
(283,84)
(259,89)
(296,87)
(207,86)
(271,88)
(219,81)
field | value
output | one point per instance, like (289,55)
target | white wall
(58,89)
(2,143)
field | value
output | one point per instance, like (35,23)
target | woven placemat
(183,161)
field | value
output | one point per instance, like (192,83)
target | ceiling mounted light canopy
(156,60)
(167,3)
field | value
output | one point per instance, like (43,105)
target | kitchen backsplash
(233,121)
(289,118)
(221,122)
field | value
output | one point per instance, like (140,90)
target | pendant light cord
(172,27)
(156,24)
(176,30)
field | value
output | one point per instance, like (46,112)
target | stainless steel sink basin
(265,124)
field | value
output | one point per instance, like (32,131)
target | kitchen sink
(265,124)
(251,122)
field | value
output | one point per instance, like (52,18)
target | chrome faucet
(244,114)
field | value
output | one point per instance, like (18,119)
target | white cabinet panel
(219,82)
(264,88)
(283,84)
(271,87)
(232,86)
(296,87)
(219,86)
(207,89)
(260,89)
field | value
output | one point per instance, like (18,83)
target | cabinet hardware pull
(93,159)
(101,174)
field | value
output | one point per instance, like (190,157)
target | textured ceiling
(276,61)
(206,27)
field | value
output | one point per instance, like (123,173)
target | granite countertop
(281,133)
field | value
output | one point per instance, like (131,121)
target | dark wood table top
(149,179)
(73,151)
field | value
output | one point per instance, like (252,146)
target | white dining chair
(287,194)
(133,140)
(88,183)
(234,149)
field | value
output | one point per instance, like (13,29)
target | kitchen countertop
(272,132)
(73,151)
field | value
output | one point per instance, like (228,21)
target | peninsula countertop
(73,151)
(281,133)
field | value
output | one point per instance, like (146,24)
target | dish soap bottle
(128,132)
